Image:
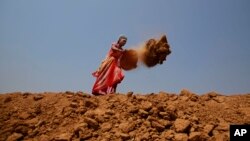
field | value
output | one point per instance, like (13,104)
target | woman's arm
(116,48)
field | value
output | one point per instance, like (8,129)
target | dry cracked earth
(76,116)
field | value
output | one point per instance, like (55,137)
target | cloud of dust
(150,53)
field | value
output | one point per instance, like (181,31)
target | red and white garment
(109,73)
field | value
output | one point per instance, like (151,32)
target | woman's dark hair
(122,37)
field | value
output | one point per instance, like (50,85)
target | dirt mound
(163,116)
(151,53)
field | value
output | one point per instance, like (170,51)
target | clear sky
(55,45)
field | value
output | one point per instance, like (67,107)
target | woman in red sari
(110,73)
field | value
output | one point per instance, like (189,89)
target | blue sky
(56,45)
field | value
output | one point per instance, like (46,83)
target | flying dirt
(150,53)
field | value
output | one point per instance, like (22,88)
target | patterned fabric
(109,73)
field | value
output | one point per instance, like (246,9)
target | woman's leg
(115,86)
(112,89)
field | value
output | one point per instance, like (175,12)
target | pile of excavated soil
(133,117)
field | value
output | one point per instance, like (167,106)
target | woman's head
(122,40)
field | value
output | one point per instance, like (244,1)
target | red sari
(109,73)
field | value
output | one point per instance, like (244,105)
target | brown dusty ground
(134,117)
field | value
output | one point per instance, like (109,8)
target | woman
(110,73)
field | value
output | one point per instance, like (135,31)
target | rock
(80,129)
(146,105)
(15,137)
(180,114)
(141,97)
(40,123)
(69,92)
(7,99)
(220,137)
(90,113)
(67,111)
(154,136)
(165,123)
(81,125)
(143,113)
(91,123)
(106,137)
(84,95)
(90,104)
(185,92)
(152,118)
(73,104)
(168,115)
(161,107)
(133,109)
(81,110)
(181,125)
(153,111)
(24,115)
(95,134)
(129,94)
(124,136)
(133,133)
(56,121)
(171,108)
(100,119)
(37,97)
(193,128)
(35,111)
(44,138)
(212,94)
(63,137)
(147,124)
(145,136)
(127,127)
(215,132)
(181,137)
(174,97)
(69,95)
(163,96)
(205,97)
(23,129)
(110,112)
(81,94)
(32,121)
(219,99)
(33,133)
(85,135)
(184,98)
(208,129)
(222,127)
(194,98)
(26,94)
(195,119)
(196,136)
(105,127)
(169,134)
(157,125)
(163,114)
